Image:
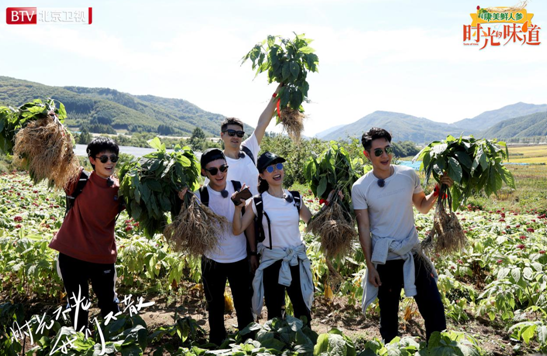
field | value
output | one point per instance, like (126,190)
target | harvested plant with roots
(196,229)
(333,171)
(34,134)
(475,166)
(336,229)
(44,148)
(293,122)
(447,235)
(286,61)
(151,184)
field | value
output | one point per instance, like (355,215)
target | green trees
(85,137)
(197,140)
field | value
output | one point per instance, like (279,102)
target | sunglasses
(104,158)
(379,151)
(232,133)
(278,166)
(215,170)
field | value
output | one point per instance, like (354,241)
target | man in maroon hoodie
(86,244)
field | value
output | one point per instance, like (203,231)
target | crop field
(528,154)
(494,292)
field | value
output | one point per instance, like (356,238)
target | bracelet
(324,202)
(436,190)
(253,253)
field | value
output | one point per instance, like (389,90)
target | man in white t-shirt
(242,167)
(229,261)
(383,200)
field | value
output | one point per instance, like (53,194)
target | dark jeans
(428,298)
(76,274)
(214,276)
(275,293)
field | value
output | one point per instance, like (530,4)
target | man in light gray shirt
(383,201)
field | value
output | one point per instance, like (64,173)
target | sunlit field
(528,154)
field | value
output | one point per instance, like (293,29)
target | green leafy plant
(334,343)
(12,120)
(475,166)
(527,330)
(333,171)
(35,136)
(9,314)
(283,335)
(150,185)
(286,61)
(398,346)
(451,343)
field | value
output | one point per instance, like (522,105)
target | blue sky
(402,56)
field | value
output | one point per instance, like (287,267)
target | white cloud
(416,70)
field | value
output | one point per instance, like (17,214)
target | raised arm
(266,117)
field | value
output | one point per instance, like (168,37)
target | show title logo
(495,26)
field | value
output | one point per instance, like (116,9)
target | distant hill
(403,127)
(324,133)
(121,111)
(525,126)
(490,118)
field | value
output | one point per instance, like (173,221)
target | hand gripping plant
(287,61)
(150,187)
(476,167)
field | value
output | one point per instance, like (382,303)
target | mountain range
(104,107)
(525,126)
(516,120)
(120,111)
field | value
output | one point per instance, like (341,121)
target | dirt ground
(326,314)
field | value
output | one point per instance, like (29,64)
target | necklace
(288,197)
(277,196)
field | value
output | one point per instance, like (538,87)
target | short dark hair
(100,144)
(374,134)
(210,155)
(230,121)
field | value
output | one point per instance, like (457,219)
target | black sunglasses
(278,166)
(232,133)
(215,170)
(379,151)
(104,158)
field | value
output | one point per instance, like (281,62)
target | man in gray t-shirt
(383,200)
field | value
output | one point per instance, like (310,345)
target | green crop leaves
(475,165)
(150,185)
(333,169)
(12,120)
(286,61)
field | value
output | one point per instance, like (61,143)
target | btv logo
(49,15)
(21,16)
